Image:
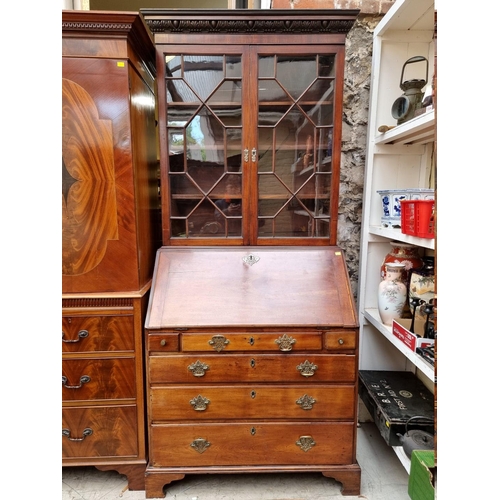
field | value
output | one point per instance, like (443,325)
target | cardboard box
(401,330)
(422,475)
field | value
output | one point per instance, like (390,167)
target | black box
(394,397)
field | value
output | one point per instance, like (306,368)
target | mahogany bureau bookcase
(251,329)
(110,234)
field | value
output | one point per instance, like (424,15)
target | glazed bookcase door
(247,141)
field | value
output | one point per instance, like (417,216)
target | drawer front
(99,432)
(227,342)
(85,379)
(252,443)
(252,401)
(211,368)
(341,340)
(162,342)
(97,333)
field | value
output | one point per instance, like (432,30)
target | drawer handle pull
(285,342)
(307,369)
(82,334)
(86,433)
(84,379)
(218,342)
(200,445)
(163,342)
(198,369)
(306,402)
(305,443)
(199,403)
(341,341)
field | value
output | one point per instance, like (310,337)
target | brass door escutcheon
(198,369)
(199,403)
(307,368)
(218,342)
(306,402)
(200,445)
(305,443)
(251,259)
(285,342)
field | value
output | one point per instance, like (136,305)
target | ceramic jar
(403,253)
(392,293)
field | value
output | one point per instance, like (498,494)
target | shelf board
(372,315)
(396,235)
(418,130)
(402,457)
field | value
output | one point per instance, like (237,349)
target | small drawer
(97,333)
(163,342)
(209,368)
(101,432)
(98,379)
(341,340)
(258,341)
(319,401)
(252,443)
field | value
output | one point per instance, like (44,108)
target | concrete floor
(382,478)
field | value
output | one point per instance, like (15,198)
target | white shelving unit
(402,157)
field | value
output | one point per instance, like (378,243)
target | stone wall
(355,117)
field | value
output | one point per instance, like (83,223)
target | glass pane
(296,73)
(295,128)
(204,127)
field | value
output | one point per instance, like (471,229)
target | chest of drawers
(251,361)
(103,409)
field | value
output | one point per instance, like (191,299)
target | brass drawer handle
(305,443)
(218,342)
(200,445)
(307,369)
(163,342)
(82,334)
(198,369)
(306,402)
(341,341)
(86,433)
(285,342)
(84,379)
(199,403)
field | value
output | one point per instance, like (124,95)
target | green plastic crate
(422,475)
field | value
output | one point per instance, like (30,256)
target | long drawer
(185,369)
(252,341)
(91,378)
(252,443)
(252,401)
(103,431)
(97,333)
